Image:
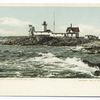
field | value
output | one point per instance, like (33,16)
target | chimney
(70,25)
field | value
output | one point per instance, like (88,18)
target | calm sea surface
(45,62)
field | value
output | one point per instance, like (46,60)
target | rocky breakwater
(93,64)
(92,47)
(45,40)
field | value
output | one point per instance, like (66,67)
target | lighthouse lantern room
(44,26)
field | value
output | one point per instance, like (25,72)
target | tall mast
(54,23)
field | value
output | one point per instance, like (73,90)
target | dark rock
(91,64)
(97,73)
(46,40)
(98,64)
(1,70)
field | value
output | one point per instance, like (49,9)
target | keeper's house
(72,31)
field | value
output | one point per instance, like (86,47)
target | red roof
(71,33)
(59,33)
(48,31)
(42,31)
(74,29)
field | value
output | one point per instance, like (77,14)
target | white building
(73,31)
(58,34)
(90,37)
(44,31)
(99,37)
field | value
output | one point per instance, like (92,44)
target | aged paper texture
(42,69)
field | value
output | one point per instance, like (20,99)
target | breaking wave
(50,62)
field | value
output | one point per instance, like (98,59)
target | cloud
(9,33)
(13,22)
(63,27)
(88,30)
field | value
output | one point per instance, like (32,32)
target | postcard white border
(52,4)
(51,86)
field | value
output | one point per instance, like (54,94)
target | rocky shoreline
(92,44)
(45,40)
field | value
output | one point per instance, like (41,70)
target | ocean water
(45,62)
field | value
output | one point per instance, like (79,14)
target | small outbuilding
(99,37)
(90,37)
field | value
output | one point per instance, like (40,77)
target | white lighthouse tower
(44,26)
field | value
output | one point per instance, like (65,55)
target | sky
(14,21)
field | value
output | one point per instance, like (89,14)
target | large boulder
(97,73)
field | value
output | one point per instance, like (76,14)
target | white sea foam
(46,58)
(81,67)
(72,64)
(17,73)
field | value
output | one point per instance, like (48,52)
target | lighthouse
(44,26)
